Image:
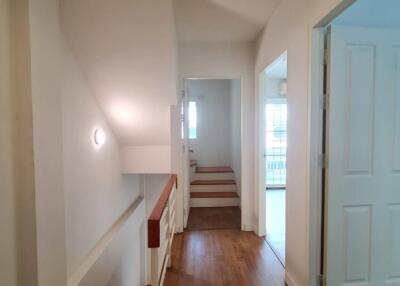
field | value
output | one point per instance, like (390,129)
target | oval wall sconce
(99,137)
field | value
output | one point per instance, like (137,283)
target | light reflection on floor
(275,211)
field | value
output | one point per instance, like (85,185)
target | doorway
(358,130)
(214,153)
(274,142)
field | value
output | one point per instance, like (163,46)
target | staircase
(213,187)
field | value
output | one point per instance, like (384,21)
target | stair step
(214,199)
(214,195)
(212,176)
(223,169)
(212,182)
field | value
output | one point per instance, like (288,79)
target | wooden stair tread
(223,169)
(213,182)
(193,163)
(214,195)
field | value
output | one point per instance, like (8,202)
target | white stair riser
(213,188)
(214,202)
(214,176)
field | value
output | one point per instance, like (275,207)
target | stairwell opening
(213,132)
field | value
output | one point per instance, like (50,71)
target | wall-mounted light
(99,137)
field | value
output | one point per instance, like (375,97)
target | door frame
(186,163)
(260,160)
(317,32)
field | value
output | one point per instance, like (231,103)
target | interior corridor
(213,257)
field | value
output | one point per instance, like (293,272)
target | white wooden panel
(358,244)
(396,131)
(394,244)
(363,174)
(360,108)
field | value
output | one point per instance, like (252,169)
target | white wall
(229,60)
(127,51)
(148,159)
(272,87)
(8,227)
(47,133)
(80,191)
(18,260)
(235,130)
(96,194)
(212,147)
(290,29)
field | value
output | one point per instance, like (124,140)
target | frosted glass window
(192,120)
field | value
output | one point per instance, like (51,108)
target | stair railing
(161,230)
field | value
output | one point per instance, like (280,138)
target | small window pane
(192,120)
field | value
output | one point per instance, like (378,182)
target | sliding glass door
(276,142)
(275,168)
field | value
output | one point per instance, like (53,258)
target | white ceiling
(126,49)
(222,20)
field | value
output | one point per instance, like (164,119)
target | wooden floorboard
(223,258)
(214,218)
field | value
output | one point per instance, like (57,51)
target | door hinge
(323,161)
(326,56)
(183,148)
(325,101)
(321,280)
(183,93)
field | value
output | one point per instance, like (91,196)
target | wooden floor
(216,256)
(227,257)
(214,218)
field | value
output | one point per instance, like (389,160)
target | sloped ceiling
(222,20)
(126,49)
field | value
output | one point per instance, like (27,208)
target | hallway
(199,142)
(214,251)
(223,257)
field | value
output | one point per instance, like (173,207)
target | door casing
(317,32)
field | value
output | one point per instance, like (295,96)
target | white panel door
(363,143)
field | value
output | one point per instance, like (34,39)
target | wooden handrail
(153,223)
